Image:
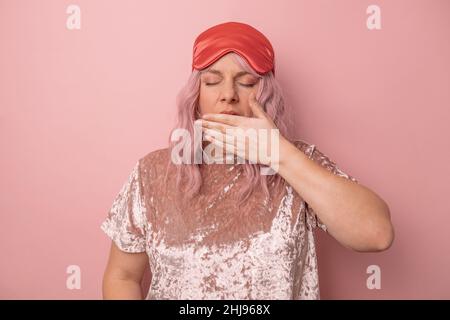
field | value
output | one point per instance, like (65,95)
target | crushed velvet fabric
(212,248)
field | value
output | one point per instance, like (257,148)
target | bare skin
(354,215)
(124,272)
(123,275)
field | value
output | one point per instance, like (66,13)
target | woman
(223,229)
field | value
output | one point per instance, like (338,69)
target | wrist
(284,150)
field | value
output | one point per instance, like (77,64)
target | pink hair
(269,95)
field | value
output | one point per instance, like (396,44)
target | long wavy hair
(269,95)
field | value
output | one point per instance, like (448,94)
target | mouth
(230,112)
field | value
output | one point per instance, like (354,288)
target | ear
(257,109)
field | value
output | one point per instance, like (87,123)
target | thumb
(257,109)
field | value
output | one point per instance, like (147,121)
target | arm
(354,215)
(123,275)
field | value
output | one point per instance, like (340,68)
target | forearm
(121,289)
(354,215)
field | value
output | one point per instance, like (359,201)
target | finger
(224,137)
(232,135)
(228,119)
(232,138)
(227,142)
(215,125)
(257,109)
(216,134)
(221,144)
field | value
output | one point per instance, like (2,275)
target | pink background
(79,107)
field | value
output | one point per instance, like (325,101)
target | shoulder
(321,158)
(154,161)
(315,154)
(155,157)
(305,146)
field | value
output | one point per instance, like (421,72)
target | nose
(229,93)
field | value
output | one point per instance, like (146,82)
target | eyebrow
(239,74)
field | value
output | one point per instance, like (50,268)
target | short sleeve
(319,157)
(126,222)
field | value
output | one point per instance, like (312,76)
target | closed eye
(244,85)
